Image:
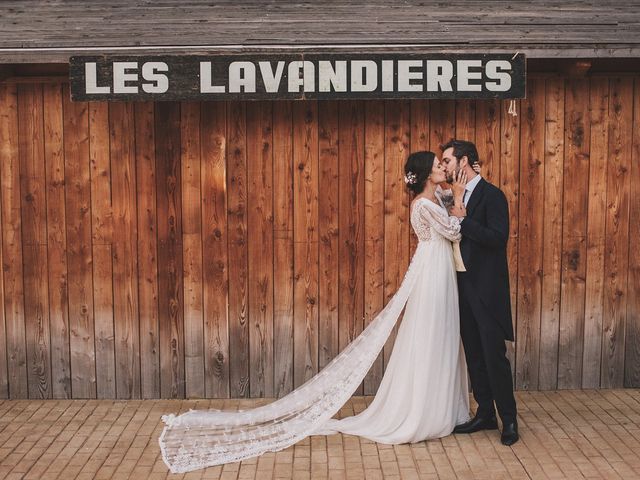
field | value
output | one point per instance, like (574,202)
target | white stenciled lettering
(364,76)
(296,80)
(332,77)
(242,77)
(206,82)
(270,79)
(464,75)
(406,74)
(160,80)
(495,70)
(91,80)
(439,75)
(387,75)
(121,77)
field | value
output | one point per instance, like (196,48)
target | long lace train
(201,438)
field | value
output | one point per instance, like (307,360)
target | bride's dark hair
(417,169)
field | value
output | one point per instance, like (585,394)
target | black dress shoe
(509,434)
(476,424)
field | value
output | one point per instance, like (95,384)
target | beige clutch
(457,257)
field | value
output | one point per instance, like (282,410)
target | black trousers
(485,351)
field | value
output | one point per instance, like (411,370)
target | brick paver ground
(564,434)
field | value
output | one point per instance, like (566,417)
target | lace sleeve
(446,197)
(448,227)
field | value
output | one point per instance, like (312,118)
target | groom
(485,304)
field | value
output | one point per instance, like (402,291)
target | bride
(423,393)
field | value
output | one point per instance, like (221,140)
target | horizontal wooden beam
(557,51)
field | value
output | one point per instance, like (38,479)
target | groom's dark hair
(462,148)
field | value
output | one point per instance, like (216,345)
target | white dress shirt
(470,187)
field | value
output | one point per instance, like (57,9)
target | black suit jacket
(485,232)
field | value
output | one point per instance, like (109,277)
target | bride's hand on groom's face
(459,183)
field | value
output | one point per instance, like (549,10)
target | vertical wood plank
(56,242)
(305,199)
(596,223)
(617,233)
(530,241)
(215,261)
(465,111)
(552,232)
(4,378)
(78,214)
(124,250)
(102,237)
(237,223)
(169,212)
(34,238)
(328,251)
(419,139)
(576,164)
(632,350)
(442,123)
(351,228)
(396,203)
(488,138)
(12,268)
(260,247)
(510,185)
(192,250)
(283,283)
(147,250)
(374,179)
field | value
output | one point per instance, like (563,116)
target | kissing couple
(457,317)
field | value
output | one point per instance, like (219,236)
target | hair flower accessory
(410,178)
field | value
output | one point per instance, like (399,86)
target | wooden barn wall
(233,249)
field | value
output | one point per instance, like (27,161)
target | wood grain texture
(78,211)
(125,250)
(226,250)
(488,139)
(12,245)
(260,247)
(596,232)
(350,223)
(328,227)
(283,249)
(4,379)
(419,141)
(554,149)
(56,242)
(190,163)
(34,236)
(170,284)
(147,250)
(101,244)
(442,123)
(237,245)
(510,185)
(215,253)
(396,204)
(617,251)
(374,178)
(553,29)
(632,347)
(305,241)
(574,234)
(530,237)
(465,120)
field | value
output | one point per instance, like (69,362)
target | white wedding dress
(423,393)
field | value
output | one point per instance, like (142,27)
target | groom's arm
(496,232)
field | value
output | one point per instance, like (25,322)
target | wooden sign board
(297,77)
